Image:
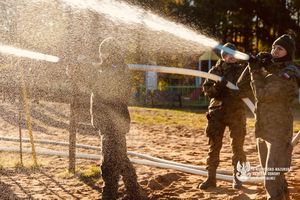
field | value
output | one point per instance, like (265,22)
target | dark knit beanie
(228,45)
(288,43)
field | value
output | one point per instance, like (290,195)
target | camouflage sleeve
(243,83)
(292,72)
(272,88)
(209,85)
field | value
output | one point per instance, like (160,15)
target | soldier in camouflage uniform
(225,109)
(110,95)
(274,83)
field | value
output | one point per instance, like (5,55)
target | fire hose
(146,159)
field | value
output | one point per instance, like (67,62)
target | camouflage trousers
(275,158)
(113,122)
(215,132)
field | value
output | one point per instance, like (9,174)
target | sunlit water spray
(4,49)
(127,14)
(116,10)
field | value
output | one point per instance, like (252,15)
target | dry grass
(190,118)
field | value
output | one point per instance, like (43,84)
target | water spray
(10,50)
(129,14)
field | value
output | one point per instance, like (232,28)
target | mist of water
(126,14)
(116,10)
(5,49)
(73,29)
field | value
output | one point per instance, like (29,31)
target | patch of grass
(91,176)
(192,119)
(12,160)
(92,172)
(19,165)
(8,159)
(65,174)
(152,116)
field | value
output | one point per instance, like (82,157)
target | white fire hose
(147,160)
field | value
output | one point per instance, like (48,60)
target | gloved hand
(254,63)
(266,59)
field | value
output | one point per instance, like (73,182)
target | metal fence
(181,96)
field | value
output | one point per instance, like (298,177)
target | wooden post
(72,136)
(70,61)
(20,132)
(26,106)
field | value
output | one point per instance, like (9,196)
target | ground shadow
(9,113)
(6,192)
(12,117)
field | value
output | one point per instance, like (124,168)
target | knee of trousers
(214,129)
(238,133)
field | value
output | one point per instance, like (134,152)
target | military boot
(133,189)
(139,194)
(236,184)
(210,181)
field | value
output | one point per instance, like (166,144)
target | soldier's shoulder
(291,71)
(291,67)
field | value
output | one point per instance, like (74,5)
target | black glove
(265,58)
(254,63)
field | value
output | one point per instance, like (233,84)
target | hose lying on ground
(137,161)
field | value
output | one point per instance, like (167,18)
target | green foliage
(162,85)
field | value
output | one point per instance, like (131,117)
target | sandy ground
(172,142)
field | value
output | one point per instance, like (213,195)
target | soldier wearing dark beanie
(275,87)
(288,43)
(228,45)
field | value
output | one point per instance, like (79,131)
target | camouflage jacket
(224,101)
(274,90)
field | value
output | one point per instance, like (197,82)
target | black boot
(138,194)
(210,182)
(133,189)
(111,179)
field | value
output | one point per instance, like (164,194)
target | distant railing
(181,96)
